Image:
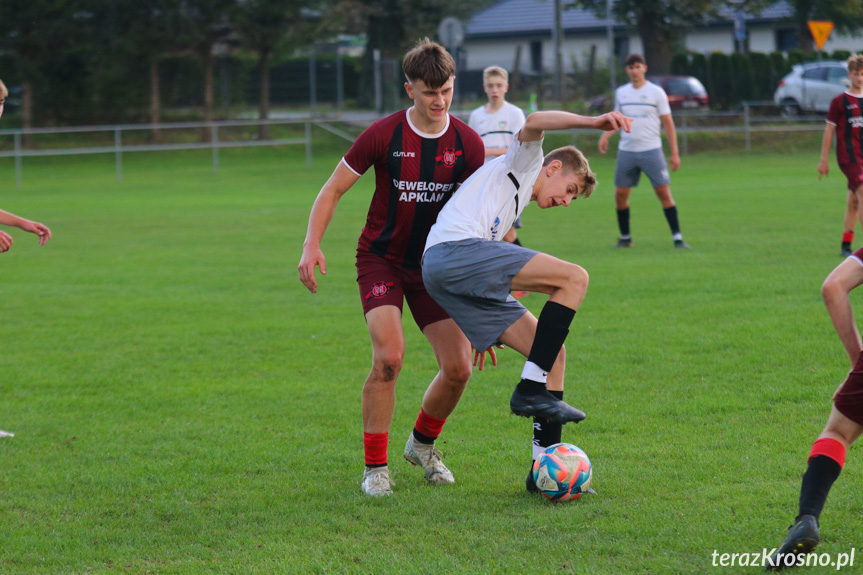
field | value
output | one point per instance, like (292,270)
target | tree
(207,23)
(846,15)
(661,24)
(266,27)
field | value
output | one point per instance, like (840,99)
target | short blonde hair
(575,162)
(3,91)
(855,63)
(494,71)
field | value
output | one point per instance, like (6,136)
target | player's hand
(823,168)
(674,162)
(479,356)
(40,230)
(613,121)
(6,243)
(311,257)
(603,143)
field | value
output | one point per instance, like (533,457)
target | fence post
(313,81)
(685,133)
(308,144)
(746,126)
(214,142)
(18,159)
(340,82)
(118,154)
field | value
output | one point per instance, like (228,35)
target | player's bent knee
(457,372)
(831,289)
(387,366)
(578,277)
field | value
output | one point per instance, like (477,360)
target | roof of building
(526,17)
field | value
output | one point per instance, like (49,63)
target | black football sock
(545,432)
(623,222)
(551,331)
(817,481)
(671,217)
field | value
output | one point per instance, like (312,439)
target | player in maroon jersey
(845,119)
(844,424)
(420,155)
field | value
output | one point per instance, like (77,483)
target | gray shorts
(471,280)
(631,164)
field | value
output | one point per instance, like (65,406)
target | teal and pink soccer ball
(562,472)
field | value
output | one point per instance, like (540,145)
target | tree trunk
(209,66)
(264,100)
(658,42)
(804,38)
(26,110)
(155,102)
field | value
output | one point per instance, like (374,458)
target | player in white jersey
(497,122)
(641,149)
(470,273)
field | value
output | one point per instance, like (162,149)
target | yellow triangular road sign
(820,31)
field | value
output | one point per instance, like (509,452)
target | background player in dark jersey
(845,119)
(844,425)
(419,156)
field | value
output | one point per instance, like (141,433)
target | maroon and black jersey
(415,175)
(846,115)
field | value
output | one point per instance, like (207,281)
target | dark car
(684,92)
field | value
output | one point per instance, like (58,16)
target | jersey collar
(422,134)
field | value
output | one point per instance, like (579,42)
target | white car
(810,87)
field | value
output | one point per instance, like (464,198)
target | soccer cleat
(377,482)
(530,483)
(520,294)
(624,243)
(682,245)
(544,406)
(802,538)
(6,434)
(845,252)
(429,458)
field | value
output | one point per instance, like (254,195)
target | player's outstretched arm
(671,134)
(322,213)
(844,278)
(8,219)
(538,122)
(826,142)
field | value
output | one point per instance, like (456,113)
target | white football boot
(429,458)
(377,482)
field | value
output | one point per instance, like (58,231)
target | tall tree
(661,24)
(266,27)
(846,15)
(207,23)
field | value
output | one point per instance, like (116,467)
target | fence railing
(119,147)
(687,122)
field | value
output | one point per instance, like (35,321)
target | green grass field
(182,404)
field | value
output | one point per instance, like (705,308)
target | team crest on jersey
(380,289)
(502,124)
(448,157)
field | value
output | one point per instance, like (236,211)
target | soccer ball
(562,472)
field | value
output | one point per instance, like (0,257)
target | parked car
(810,87)
(683,92)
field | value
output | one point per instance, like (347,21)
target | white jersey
(497,129)
(644,105)
(490,200)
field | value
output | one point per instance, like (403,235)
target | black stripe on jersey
(849,131)
(381,244)
(417,239)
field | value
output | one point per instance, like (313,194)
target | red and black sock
(825,463)
(427,428)
(847,240)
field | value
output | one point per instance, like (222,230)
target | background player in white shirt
(497,122)
(470,273)
(641,149)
